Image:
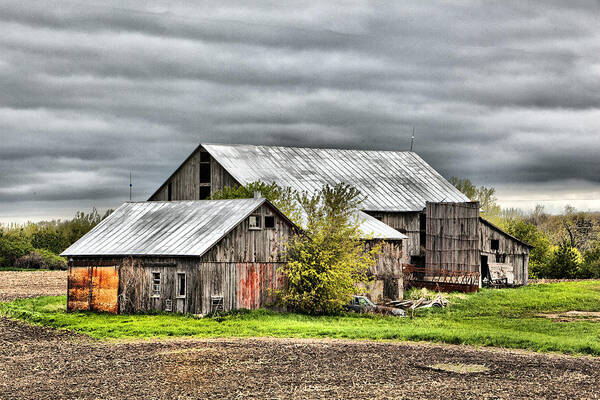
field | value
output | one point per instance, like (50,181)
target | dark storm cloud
(506,93)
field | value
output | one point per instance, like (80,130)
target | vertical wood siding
(185,181)
(514,252)
(452,237)
(407,223)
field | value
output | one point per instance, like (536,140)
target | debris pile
(439,301)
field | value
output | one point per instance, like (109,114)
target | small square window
(156,284)
(181,284)
(269,221)
(495,244)
(254,222)
(204,192)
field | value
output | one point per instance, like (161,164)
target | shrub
(13,247)
(41,259)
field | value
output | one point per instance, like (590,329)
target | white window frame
(179,295)
(258,219)
(156,287)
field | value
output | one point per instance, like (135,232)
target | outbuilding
(200,257)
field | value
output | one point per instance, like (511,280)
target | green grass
(22,269)
(504,318)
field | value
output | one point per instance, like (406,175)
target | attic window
(269,222)
(204,156)
(170,191)
(495,244)
(204,192)
(254,222)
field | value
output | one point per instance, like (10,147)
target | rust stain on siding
(256,284)
(93,288)
(105,289)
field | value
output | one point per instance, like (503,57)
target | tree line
(38,244)
(564,246)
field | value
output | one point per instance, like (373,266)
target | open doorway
(485,269)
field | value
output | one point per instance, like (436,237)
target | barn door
(452,237)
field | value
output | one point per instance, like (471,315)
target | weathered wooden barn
(447,241)
(199,257)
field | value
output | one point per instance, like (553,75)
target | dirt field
(19,284)
(39,363)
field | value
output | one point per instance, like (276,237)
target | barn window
(181,284)
(269,222)
(254,222)
(156,284)
(495,244)
(170,191)
(204,192)
(216,304)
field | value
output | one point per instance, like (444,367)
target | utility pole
(412,139)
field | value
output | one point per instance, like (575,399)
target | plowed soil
(41,363)
(22,284)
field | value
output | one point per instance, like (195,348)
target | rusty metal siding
(93,288)
(391,180)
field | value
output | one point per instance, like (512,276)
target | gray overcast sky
(504,93)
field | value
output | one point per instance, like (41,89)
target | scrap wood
(439,301)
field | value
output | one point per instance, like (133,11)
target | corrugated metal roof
(391,180)
(181,228)
(373,228)
(165,228)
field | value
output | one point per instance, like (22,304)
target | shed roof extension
(391,180)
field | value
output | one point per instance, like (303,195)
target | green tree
(285,199)
(564,263)
(486,196)
(330,261)
(590,267)
(530,234)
